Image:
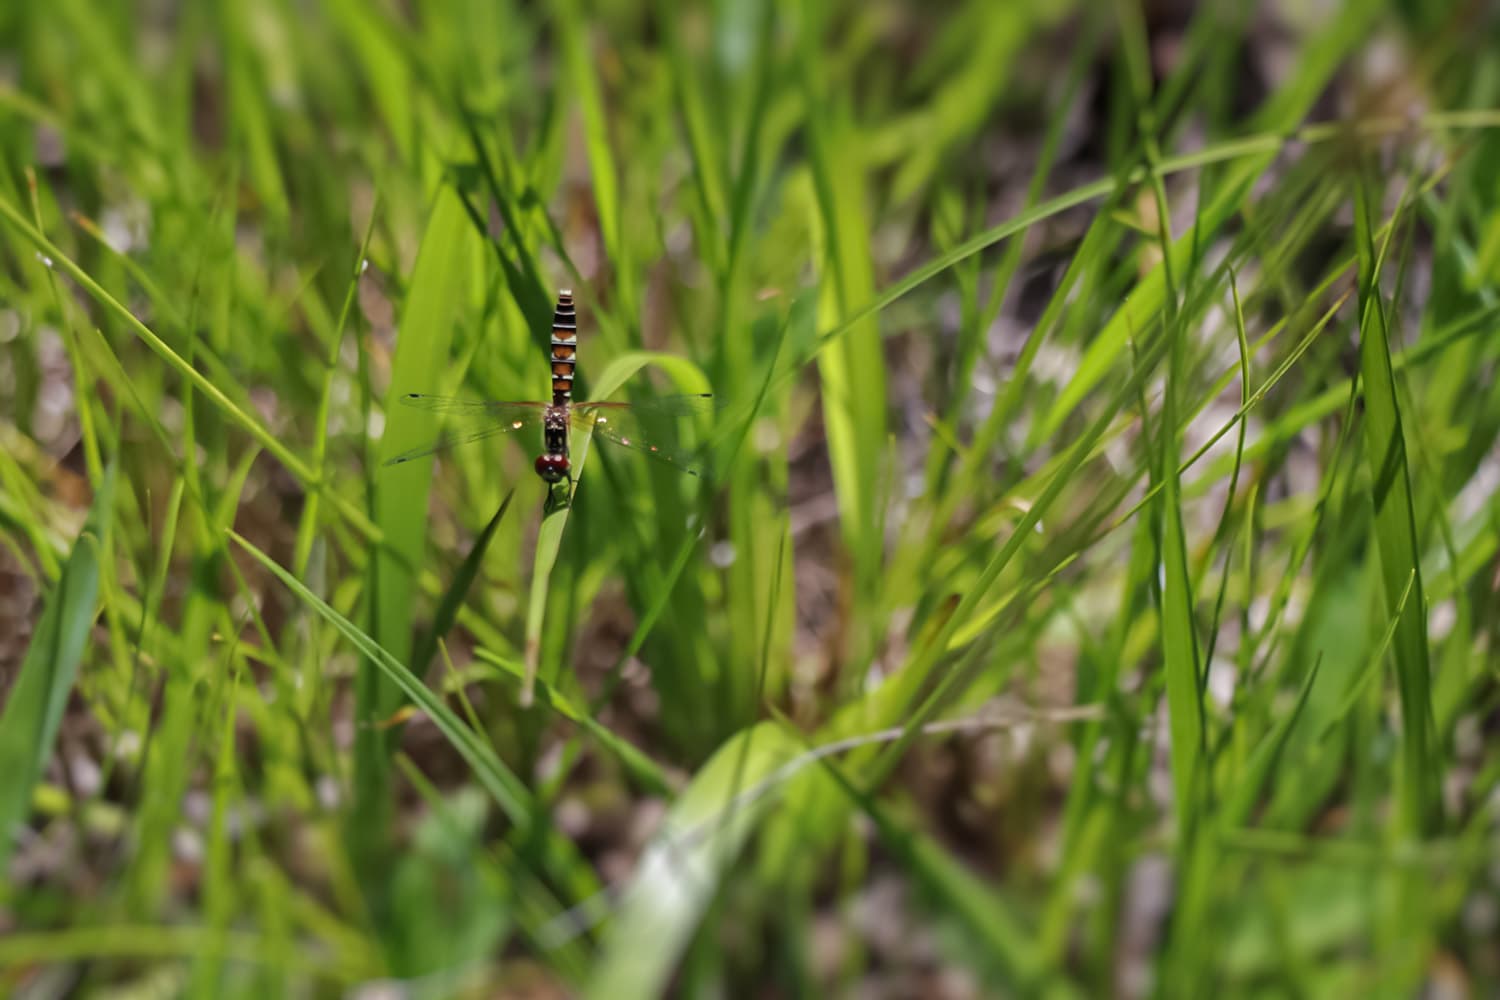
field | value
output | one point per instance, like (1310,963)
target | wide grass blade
(679,873)
(33,711)
(438,291)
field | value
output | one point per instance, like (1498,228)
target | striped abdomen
(564,347)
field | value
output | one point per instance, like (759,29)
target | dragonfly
(626,424)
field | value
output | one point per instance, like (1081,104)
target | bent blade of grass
(1396,531)
(679,873)
(34,709)
(685,375)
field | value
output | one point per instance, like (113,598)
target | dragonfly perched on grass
(627,424)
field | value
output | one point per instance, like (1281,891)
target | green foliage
(1087,588)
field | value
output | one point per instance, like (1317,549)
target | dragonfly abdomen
(564,347)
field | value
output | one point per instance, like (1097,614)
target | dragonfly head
(551,467)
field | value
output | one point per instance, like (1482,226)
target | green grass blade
(439,289)
(548,542)
(33,711)
(307,524)
(1396,538)
(852,369)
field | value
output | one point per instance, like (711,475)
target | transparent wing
(648,427)
(472,420)
(687,405)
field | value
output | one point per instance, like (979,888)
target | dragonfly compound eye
(552,468)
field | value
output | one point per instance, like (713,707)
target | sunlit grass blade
(678,875)
(34,708)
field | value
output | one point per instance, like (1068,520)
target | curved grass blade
(34,709)
(686,404)
(548,542)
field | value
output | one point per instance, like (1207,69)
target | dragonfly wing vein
(684,405)
(483,425)
(470,407)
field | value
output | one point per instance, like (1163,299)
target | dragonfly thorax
(553,464)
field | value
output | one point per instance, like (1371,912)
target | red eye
(552,468)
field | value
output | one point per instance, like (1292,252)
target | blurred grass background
(1091,588)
